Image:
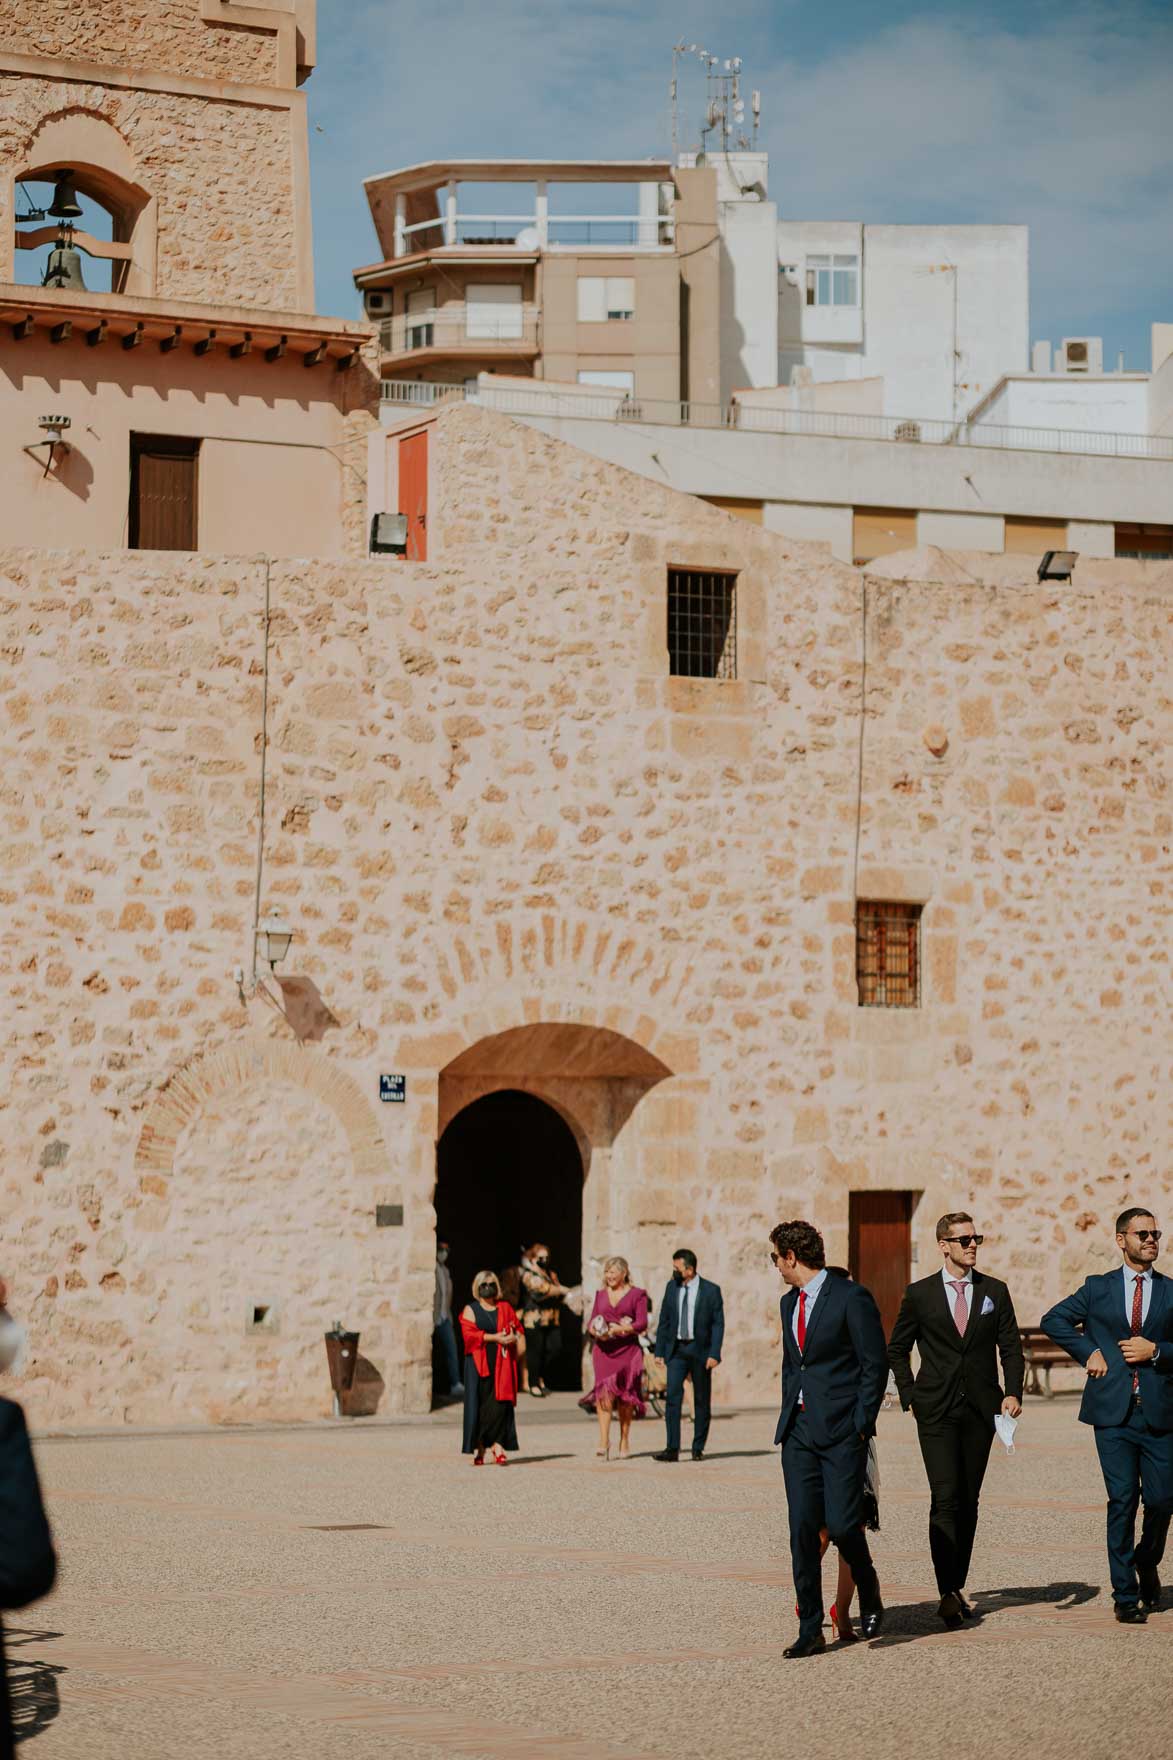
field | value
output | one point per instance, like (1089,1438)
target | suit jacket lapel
(943,1296)
(1157,1301)
(975,1310)
(821,1303)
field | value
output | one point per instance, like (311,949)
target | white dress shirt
(686,1314)
(950,1278)
(812,1295)
(1146,1292)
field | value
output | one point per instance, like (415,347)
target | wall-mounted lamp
(1057,565)
(54,427)
(273,938)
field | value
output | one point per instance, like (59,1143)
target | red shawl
(505,1379)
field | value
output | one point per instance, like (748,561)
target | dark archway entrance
(508,1171)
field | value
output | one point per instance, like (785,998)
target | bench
(1042,1353)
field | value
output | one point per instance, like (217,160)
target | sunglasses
(776,1258)
(966,1240)
(1146,1234)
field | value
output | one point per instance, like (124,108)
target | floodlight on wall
(273,937)
(1057,565)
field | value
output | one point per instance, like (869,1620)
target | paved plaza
(359,1590)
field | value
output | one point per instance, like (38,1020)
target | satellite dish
(527,239)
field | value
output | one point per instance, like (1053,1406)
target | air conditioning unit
(906,431)
(1081,354)
(378,303)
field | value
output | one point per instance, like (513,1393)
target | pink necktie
(960,1311)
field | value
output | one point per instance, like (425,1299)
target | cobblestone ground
(360,1591)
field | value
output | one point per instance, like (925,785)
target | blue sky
(1049,113)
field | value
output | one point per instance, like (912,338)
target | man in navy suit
(1120,1327)
(689,1334)
(834,1372)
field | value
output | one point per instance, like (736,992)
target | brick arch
(245,1066)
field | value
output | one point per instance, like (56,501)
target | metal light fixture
(1057,565)
(273,937)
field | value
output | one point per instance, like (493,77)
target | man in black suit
(28,1564)
(689,1334)
(961,1322)
(1120,1327)
(834,1371)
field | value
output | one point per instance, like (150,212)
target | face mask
(487,1291)
(677,1274)
(543,1260)
(12,1342)
(442,1256)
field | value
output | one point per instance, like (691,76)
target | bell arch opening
(79,193)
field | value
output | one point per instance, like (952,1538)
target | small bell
(64,269)
(65,203)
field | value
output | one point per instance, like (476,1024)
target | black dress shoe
(698,1454)
(1150,1589)
(871,1620)
(805,1647)
(968,1611)
(1129,1614)
(952,1610)
(667,1454)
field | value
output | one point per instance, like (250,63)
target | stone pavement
(360,1591)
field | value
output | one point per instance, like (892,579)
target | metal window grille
(702,623)
(887,954)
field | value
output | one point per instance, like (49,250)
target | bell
(65,203)
(64,269)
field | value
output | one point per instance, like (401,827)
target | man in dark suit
(689,1335)
(834,1371)
(1120,1327)
(960,1321)
(28,1564)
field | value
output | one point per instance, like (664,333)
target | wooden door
(413,493)
(880,1247)
(162,493)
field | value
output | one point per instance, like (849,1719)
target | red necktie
(802,1320)
(1137,1310)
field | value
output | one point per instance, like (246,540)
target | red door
(413,493)
(879,1227)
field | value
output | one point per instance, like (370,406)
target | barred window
(887,954)
(702,623)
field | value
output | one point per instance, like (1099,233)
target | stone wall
(489,808)
(167,36)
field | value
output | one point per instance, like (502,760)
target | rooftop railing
(597,404)
(639,232)
(479,330)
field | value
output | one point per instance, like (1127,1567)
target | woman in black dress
(491,1333)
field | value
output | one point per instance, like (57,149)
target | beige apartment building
(627,300)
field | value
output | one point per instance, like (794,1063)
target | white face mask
(13,1339)
(442,1255)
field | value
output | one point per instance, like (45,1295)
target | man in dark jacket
(689,1334)
(834,1371)
(961,1322)
(28,1565)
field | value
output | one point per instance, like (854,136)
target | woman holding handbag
(492,1334)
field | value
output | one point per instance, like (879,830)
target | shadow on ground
(32,1683)
(921,1620)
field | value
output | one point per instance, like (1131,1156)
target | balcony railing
(638,232)
(461,329)
(592,404)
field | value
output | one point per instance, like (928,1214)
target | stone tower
(183,119)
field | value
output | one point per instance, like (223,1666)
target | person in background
(28,1563)
(442,1328)
(618,1317)
(690,1331)
(491,1333)
(542,1298)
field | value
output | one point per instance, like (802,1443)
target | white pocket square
(987,1306)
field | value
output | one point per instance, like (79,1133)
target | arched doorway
(508,1172)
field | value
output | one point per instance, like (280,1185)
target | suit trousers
(824,1489)
(1136,1462)
(542,1345)
(687,1360)
(956,1452)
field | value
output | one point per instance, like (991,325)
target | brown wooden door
(162,493)
(413,493)
(880,1247)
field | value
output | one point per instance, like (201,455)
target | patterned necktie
(1137,1311)
(960,1311)
(802,1319)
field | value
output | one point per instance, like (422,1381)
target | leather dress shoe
(698,1454)
(1150,1589)
(667,1454)
(805,1647)
(952,1610)
(1129,1614)
(871,1620)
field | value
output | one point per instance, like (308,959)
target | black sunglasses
(966,1240)
(1146,1234)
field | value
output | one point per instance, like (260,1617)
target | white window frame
(829,277)
(606,299)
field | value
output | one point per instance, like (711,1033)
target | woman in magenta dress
(618,1317)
